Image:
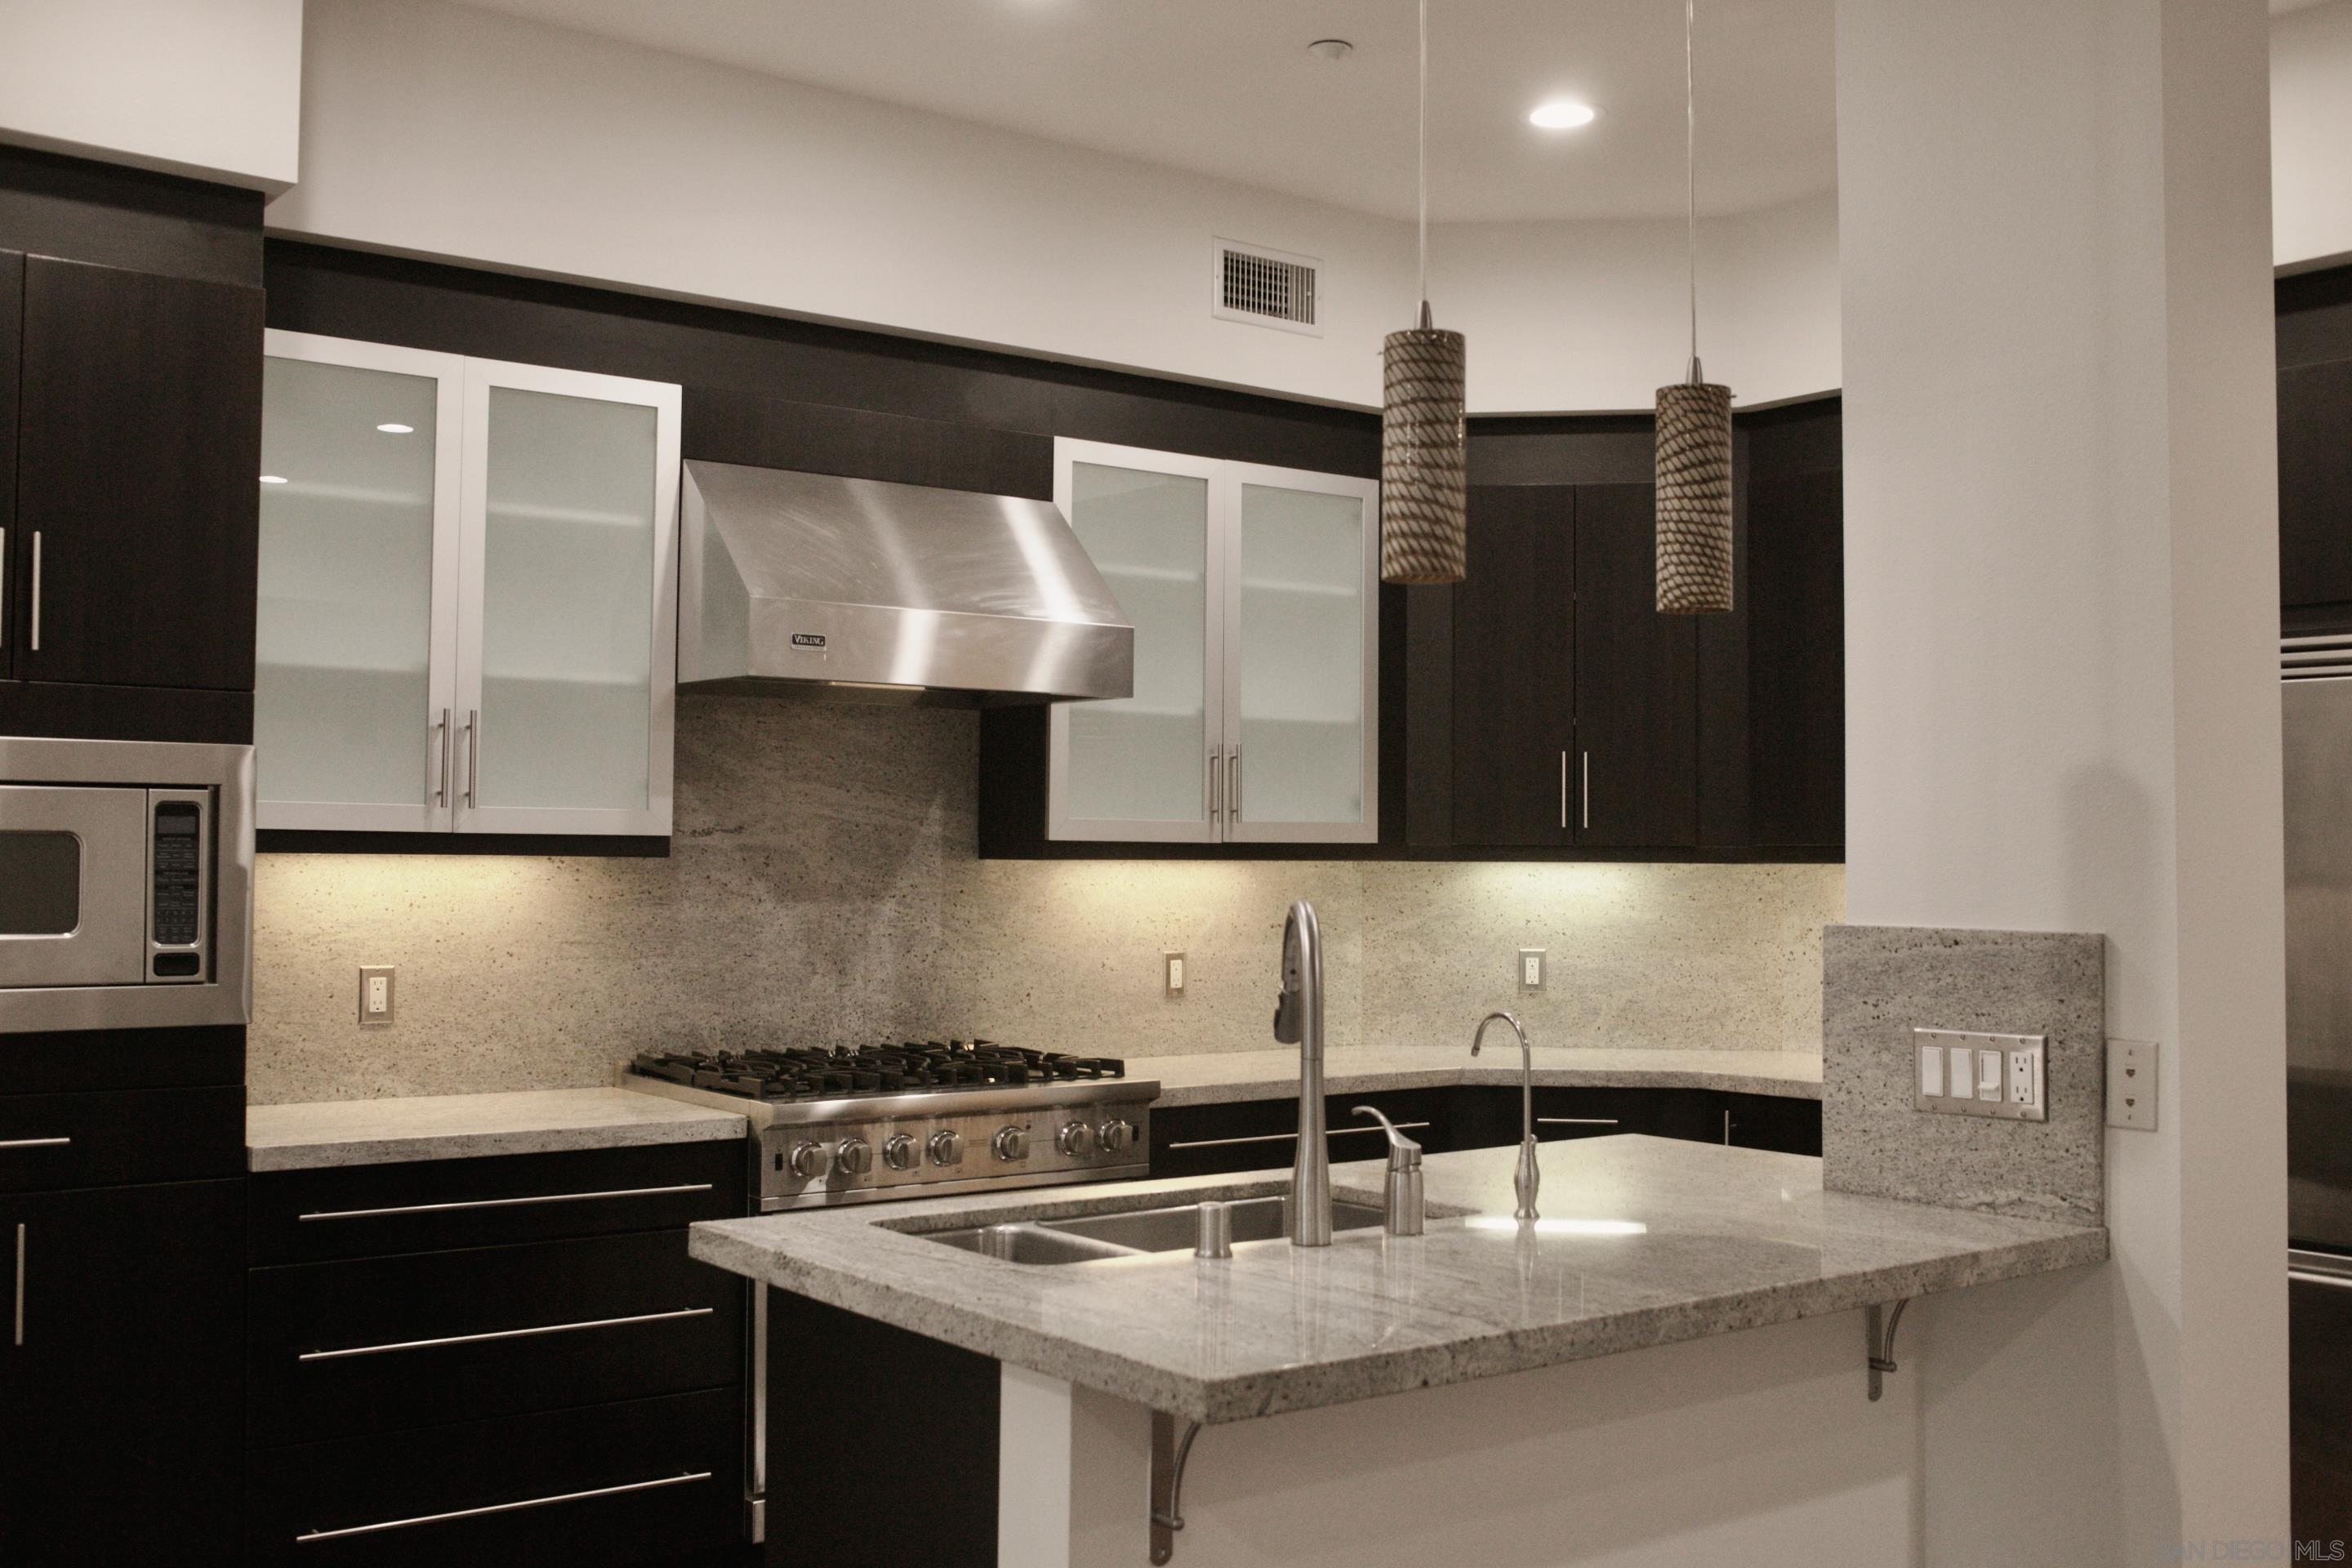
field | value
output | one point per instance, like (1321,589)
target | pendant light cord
(1422,162)
(1690,174)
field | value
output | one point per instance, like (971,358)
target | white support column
(2062,614)
(1074,1468)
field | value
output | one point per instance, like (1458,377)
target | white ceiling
(1226,87)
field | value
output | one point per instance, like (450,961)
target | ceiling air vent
(1269,288)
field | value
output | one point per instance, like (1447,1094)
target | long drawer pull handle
(20,1282)
(34,1142)
(2308,1276)
(508,1334)
(500,1508)
(36,590)
(1576,1121)
(507,1202)
(1285,1137)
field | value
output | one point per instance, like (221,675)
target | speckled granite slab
(460,1126)
(1879,983)
(1219,1076)
(1707,1240)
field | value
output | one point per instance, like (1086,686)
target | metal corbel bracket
(1881,1325)
(1170,1450)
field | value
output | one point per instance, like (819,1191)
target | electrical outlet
(1172,971)
(1971,1073)
(1531,969)
(2131,1085)
(375,993)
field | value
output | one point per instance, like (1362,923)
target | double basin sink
(1136,1233)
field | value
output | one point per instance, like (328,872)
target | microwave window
(40,883)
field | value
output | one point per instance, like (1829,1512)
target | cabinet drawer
(372,1211)
(649,1478)
(377,1344)
(1263,1135)
(108,1137)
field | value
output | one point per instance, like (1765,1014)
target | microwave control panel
(176,885)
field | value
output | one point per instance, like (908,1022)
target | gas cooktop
(796,1073)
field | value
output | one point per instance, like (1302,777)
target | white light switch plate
(1958,1072)
(2131,1085)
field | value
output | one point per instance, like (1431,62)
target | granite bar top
(461,1126)
(1645,1241)
(1213,1078)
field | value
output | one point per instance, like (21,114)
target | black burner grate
(908,1067)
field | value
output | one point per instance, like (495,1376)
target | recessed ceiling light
(1331,48)
(397,429)
(1563,114)
(273,478)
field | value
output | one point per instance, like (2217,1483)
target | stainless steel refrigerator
(2317,698)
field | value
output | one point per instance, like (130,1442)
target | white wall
(2062,697)
(2311,134)
(207,88)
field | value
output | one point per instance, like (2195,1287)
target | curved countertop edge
(1218,1078)
(399,1129)
(1491,1351)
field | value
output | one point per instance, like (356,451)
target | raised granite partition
(1878,984)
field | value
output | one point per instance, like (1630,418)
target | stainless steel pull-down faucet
(1298,1021)
(1524,1180)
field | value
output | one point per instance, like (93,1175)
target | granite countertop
(460,1126)
(1732,1239)
(1213,1076)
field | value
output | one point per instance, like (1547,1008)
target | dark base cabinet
(1260,1134)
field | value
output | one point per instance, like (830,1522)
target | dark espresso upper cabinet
(2315,412)
(12,331)
(1637,764)
(138,452)
(1796,660)
(1513,670)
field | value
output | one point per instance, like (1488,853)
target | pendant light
(1694,421)
(1425,459)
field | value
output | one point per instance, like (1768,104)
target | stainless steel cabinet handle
(4,585)
(507,1202)
(1584,784)
(441,795)
(500,1508)
(1726,1126)
(505,1335)
(1216,784)
(20,1282)
(2300,1275)
(1284,1137)
(1233,787)
(1576,1121)
(36,590)
(34,1142)
(1563,789)
(473,755)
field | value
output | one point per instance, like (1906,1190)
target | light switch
(1931,1070)
(1990,1072)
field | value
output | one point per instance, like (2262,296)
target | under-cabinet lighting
(1563,114)
(273,478)
(397,429)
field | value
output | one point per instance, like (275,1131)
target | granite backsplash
(823,888)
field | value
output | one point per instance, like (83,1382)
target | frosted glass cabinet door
(567,639)
(1302,658)
(359,449)
(1138,768)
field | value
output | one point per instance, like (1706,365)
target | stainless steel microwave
(126,884)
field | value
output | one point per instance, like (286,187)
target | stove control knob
(947,1148)
(1075,1139)
(810,1162)
(1115,1135)
(901,1153)
(1012,1143)
(855,1156)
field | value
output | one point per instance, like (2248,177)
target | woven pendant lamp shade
(1423,457)
(1694,499)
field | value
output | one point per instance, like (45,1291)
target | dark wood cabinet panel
(1636,767)
(1796,660)
(2314,412)
(111,1137)
(1262,1134)
(1514,669)
(139,454)
(123,1409)
(12,333)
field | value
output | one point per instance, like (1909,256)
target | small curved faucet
(1298,1021)
(1524,1180)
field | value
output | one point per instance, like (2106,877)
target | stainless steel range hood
(805,584)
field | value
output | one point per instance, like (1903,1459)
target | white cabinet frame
(437,730)
(448,728)
(1222,764)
